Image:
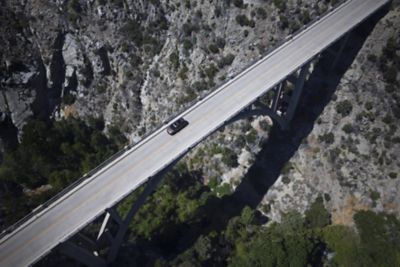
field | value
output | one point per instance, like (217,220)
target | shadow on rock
(275,153)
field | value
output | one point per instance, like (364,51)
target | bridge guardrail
(184,108)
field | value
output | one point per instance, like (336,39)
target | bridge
(54,223)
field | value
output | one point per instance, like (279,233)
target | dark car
(177,125)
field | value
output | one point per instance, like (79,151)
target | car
(176,126)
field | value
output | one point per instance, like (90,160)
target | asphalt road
(75,210)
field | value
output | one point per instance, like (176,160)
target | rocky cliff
(137,62)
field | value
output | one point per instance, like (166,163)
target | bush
(244,21)
(133,32)
(328,138)
(280,4)
(229,158)
(391,74)
(187,44)
(368,105)
(261,13)
(344,108)
(211,71)
(213,48)
(226,61)
(174,59)
(285,179)
(348,128)
(305,17)
(220,42)
(283,22)
(188,28)
(238,3)
(317,216)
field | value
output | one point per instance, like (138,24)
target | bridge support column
(294,99)
(338,54)
(277,96)
(123,227)
(81,254)
(279,114)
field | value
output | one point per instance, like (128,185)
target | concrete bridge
(55,222)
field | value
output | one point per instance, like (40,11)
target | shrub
(261,13)
(328,138)
(183,72)
(229,158)
(174,59)
(285,179)
(211,71)
(344,108)
(368,105)
(226,61)
(187,44)
(305,17)
(391,74)
(133,32)
(264,125)
(280,4)
(213,48)
(375,195)
(317,216)
(199,86)
(220,42)
(238,3)
(244,21)
(348,128)
(283,22)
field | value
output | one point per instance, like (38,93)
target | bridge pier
(337,54)
(85,251)
(283,104)
(81,254)
(124,226)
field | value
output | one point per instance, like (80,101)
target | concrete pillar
(118,238)
(278,92)
(338,54)
(296,94)
(81,255)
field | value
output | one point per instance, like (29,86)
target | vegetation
(344,108)
(242,20)
(280,4)
(226,60)
(327,138)
(55,153)
(348,128)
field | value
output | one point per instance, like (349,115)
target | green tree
(317,216)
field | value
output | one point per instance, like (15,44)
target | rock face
(351,157)
(132,62)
